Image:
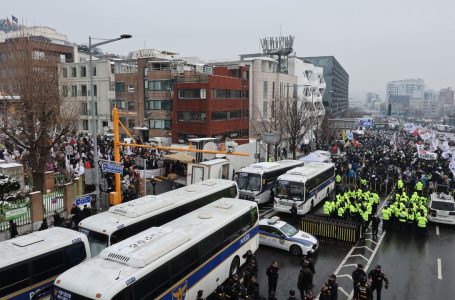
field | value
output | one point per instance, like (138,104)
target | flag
(15,20)
(343,135)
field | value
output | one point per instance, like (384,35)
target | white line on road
(439,269)
(437,230)
(343,291)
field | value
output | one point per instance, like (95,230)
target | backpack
(363,293)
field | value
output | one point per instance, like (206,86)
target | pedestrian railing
(53,201)
(331,230)
(18,211)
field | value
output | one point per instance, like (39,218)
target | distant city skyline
(376,42)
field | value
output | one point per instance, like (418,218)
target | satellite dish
(209,146)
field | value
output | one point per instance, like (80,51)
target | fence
(53,201)
(18,210)
(331,230)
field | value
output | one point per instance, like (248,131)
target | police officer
(357,275)
(333,287)
(386,214)
(272,274)
(293,211)
(376,277)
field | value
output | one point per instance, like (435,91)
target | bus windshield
(96,240)
(248,181)
(289,190)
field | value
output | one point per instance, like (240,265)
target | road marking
(345,275)
(439,269)
(360,255)
(368,248)
(437,230)
(343,291)
(349,265)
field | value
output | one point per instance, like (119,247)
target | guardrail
(53,201)
(18,210)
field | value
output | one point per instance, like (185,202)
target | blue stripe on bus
(213,263)
(27,294)
(321,187)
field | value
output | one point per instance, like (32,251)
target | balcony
(192,79)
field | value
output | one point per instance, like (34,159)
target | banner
(452,165)
(425,134)
(434,145)
(420,150)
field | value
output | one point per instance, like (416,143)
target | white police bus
(305,186)
(195,252)
(30,263)
(256,182)
(129,218)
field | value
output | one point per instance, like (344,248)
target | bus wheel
(235,265)
(296,250)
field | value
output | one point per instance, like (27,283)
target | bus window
(47,266)
(74,254)
(14,278)
(119,236)
(146,287)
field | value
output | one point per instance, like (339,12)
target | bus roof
(136,255)
(130,212)
(263,167)
(37,243)
(301,174)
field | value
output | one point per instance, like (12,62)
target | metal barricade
(331,230)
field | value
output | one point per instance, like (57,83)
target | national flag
(15,20)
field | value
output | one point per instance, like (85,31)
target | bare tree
(297,119)
(269,125)
(42,117)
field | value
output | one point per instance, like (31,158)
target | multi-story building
(336,99)
(75,83)
(447,101)
(413,90)
(211,105)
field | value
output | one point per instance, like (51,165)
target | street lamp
(94,120)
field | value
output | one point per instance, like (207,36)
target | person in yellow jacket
(419,187)
(422,225)
(386,214)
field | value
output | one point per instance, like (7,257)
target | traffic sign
(111,167)
(83,199)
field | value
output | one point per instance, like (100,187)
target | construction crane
(116,197)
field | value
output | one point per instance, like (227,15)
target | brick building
(211,105)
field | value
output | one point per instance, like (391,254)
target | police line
(331,230)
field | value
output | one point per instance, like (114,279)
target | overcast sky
(374,40)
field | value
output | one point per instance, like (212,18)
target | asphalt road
(409,261)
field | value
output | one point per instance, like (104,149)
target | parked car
(279,234)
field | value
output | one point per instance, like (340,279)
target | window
(65,91)
(94,71)
(158,105)
(245,94)
(183,263)
(131,88)
(245,113)
(226,94)
(112,69)
(73,72)
(245,75)
(130,105)
(192,116)
(120,104)
(65,72)
(265,90)
(47,266)
(83,72)
(14,278)
(219,115)
(84,108)
(273,90)
(235,114)
(160,85)
(74,91)
(160,124)
(119,86)
(84,124)
(147,287)
(84,90)
(131,123)
(95,90)
(74,254)
(264,109)
(192,94)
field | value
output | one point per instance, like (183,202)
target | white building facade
(75,84)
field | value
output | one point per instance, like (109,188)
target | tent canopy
(182,157)
(315,157)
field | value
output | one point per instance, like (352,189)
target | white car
(441,209)
(279,234)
